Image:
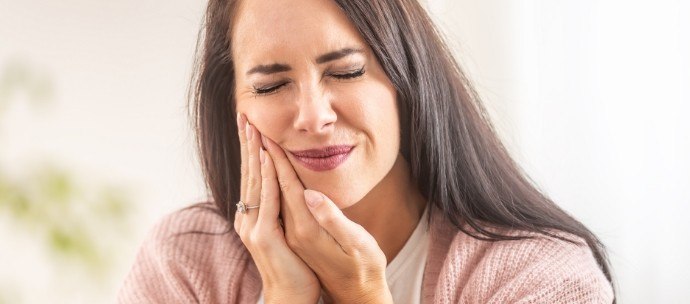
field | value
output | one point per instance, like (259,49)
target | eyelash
(273,89)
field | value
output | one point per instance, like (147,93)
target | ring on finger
(242,207)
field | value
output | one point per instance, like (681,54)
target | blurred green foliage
(50,203)
(77,221)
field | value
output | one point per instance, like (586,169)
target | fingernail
(250,132)
(240,121)
(312,198)
(262,157)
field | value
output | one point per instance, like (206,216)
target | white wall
(119,73)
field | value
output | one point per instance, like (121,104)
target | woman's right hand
(286,278)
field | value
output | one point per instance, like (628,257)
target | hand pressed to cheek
(301,228)
(344,256)
(296,216)
(284,274)
(346,250)
(342,253)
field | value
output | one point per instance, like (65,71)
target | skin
(368,206)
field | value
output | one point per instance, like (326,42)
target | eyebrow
(279,67)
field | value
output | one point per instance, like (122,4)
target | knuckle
(292,241)
(265,197)
(266,177)
(252,237)
(329,220)
(303,234)
(284,185)
(358,243)
(252,181)
(260,242)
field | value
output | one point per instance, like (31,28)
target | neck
(391,210)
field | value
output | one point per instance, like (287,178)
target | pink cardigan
(198,268)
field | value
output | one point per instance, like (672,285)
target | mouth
(323,159)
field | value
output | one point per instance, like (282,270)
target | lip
(323,159)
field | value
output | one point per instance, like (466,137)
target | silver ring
(242,207)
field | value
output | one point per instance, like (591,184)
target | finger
(270,193)
(242,134)
(347,233)
(294,209)
(253,194)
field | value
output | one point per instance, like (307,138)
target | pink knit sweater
(198,268)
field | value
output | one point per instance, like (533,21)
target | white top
(405,272)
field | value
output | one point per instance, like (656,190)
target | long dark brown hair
(455,155)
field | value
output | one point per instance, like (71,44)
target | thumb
(332,219)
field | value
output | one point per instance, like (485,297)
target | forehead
(269,30)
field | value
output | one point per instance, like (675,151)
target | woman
(360,168)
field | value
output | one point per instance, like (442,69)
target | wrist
(289,298)
(382,296)
(379,294)
(286,295)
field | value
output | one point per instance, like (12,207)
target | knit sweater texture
(216,267)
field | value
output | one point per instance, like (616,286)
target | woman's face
(306,79)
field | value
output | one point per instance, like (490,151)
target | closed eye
(268,90)
(272,89)
(351,75)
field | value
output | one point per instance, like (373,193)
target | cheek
(272,122)
(377,115)
(372,112)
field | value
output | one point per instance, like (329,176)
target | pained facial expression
(306,79)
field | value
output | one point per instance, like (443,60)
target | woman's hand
(286,278)
(346,258)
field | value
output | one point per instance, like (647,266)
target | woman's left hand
(344,256)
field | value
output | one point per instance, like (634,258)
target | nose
(315,114)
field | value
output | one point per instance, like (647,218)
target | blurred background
(95,145)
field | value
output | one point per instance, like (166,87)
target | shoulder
(192,254)
(539,268)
